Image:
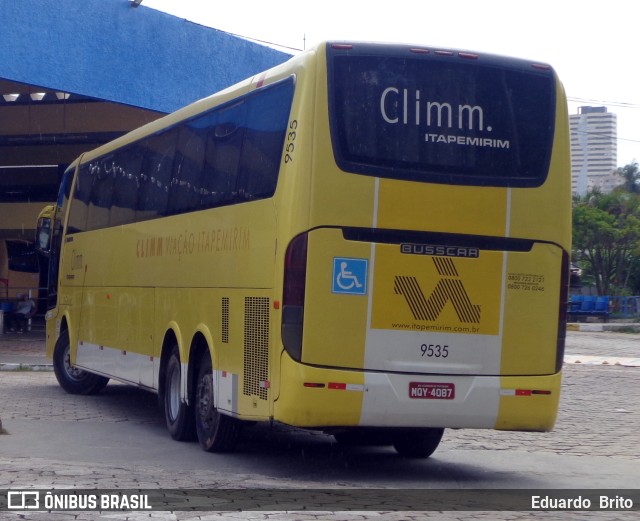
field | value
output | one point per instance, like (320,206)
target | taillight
(295,275)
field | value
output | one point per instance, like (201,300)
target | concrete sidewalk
(22,351)
(599,327)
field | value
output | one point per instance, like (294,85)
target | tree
(631,178)
(606,235)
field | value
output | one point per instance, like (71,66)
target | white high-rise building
(594,149)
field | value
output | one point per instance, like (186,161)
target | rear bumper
(318,397)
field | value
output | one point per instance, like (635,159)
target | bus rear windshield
(444,119)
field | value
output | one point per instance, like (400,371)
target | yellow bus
(19,269)
(369,240)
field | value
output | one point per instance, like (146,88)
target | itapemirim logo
(448,289)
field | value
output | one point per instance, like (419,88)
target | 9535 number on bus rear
(434,350)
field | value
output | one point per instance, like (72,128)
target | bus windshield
(474,120)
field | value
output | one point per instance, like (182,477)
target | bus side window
(125,187)
(268,114)
(155,178)
(222,159)
(185,189)
(80,204)
(102,172)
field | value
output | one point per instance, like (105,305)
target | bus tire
(216,432)
(72,379)
(178,414)
(417,443)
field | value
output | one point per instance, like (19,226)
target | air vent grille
(256,346)
(225,320)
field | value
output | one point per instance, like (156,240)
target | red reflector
(468,55)
(261,80)
(312,384)
(523,392)
(339,386)
(276,304)
(417,50)
(342,46)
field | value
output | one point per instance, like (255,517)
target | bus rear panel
(429,290)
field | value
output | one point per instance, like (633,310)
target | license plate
(432,390)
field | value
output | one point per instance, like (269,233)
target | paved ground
(598,425)
(23,348)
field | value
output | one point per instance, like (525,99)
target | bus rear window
(443,119)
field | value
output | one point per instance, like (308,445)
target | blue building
(77,73)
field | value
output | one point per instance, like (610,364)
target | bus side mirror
(43,231)
(43,236)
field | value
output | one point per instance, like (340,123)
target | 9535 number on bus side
(432,390)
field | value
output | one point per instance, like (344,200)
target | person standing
(25,308)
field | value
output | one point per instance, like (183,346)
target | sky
(593,46)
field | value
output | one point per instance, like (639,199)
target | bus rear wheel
(178,414)
(70,378)
(417,443)
(216,432)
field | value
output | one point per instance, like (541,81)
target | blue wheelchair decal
(350,276)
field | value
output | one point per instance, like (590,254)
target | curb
(601,327)
(26,367)
(602,360)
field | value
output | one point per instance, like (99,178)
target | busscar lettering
(440,250)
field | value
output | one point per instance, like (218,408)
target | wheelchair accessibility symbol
(350,276)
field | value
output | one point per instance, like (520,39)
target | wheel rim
(72,372)
(206,411)
(174,393)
